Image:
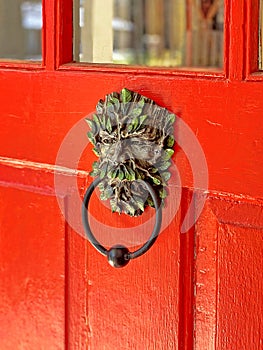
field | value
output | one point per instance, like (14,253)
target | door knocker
(133,138)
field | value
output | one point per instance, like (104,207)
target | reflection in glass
(260,56)
(20,29)
(176,33)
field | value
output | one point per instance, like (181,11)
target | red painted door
(198,290)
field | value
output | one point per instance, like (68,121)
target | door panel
(240,298)
(32,270)
(229,256)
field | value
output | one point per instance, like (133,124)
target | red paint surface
(200,290)
(32,271)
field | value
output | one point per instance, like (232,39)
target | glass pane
(175,33)
(20,29)
(260,63)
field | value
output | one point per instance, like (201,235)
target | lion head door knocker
(133,138)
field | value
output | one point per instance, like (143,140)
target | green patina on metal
(133,138)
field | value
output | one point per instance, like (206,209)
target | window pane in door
(20,30)
(171,33)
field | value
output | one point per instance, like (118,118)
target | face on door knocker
(133,138)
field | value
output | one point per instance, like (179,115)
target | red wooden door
(198,290)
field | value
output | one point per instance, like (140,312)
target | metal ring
(129,255)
